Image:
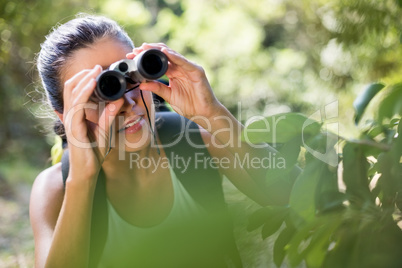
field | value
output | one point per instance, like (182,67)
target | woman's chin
(136,148)
(135,138)
(135,143)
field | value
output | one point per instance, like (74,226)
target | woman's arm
(190,94)
(44,208)
(246,168)
(61,219)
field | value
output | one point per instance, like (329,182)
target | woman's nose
(129,103)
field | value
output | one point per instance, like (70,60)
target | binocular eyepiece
(111,84)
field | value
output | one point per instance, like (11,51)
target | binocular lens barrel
(152,66)
(148,65)
(111,85)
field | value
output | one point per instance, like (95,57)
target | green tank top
(175,242)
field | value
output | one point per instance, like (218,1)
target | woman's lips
(132,125)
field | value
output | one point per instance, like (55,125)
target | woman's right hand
(87,124)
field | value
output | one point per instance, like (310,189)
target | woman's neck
(132,165)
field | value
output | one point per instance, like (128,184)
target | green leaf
(322,147)
(296,249)
(312,239)
(394,122)
(273,225)
(388,164)
(397,152)
(398,200)
(258,218)
(355,173)
(264,215)
(364,99)
(302,197)
(343,254)
(280,128)
(375,131)
(391,103)
(321,238)
(330,201)
(388,182)
(289,152)
(327,195)
(280,245)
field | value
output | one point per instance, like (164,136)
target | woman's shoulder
(45,204)
(52,175)
(47,196)
(49,183)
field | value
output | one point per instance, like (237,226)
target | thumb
(158,88)
(109,114)
(106,120)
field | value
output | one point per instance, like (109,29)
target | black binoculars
(111,84)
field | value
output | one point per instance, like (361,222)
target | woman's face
(131,131)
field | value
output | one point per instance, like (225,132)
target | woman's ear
(60,116)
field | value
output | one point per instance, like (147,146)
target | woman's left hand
(189,92)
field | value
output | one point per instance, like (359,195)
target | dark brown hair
(60,44)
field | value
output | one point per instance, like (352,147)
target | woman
(147,224)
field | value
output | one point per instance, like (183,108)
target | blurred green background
(262,57)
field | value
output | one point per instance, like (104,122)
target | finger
(173,56)
(85,93)
(100,128)
(135,52)
(71,83)
(87,79)
(179,60)
(106,120)
(154,45)
(158,88)
(145,46)
(109,114)
(74,121)
(81,79)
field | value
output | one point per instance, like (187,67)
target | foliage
(275,56)
(347,214)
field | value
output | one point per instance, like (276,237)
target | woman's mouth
(132,126)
